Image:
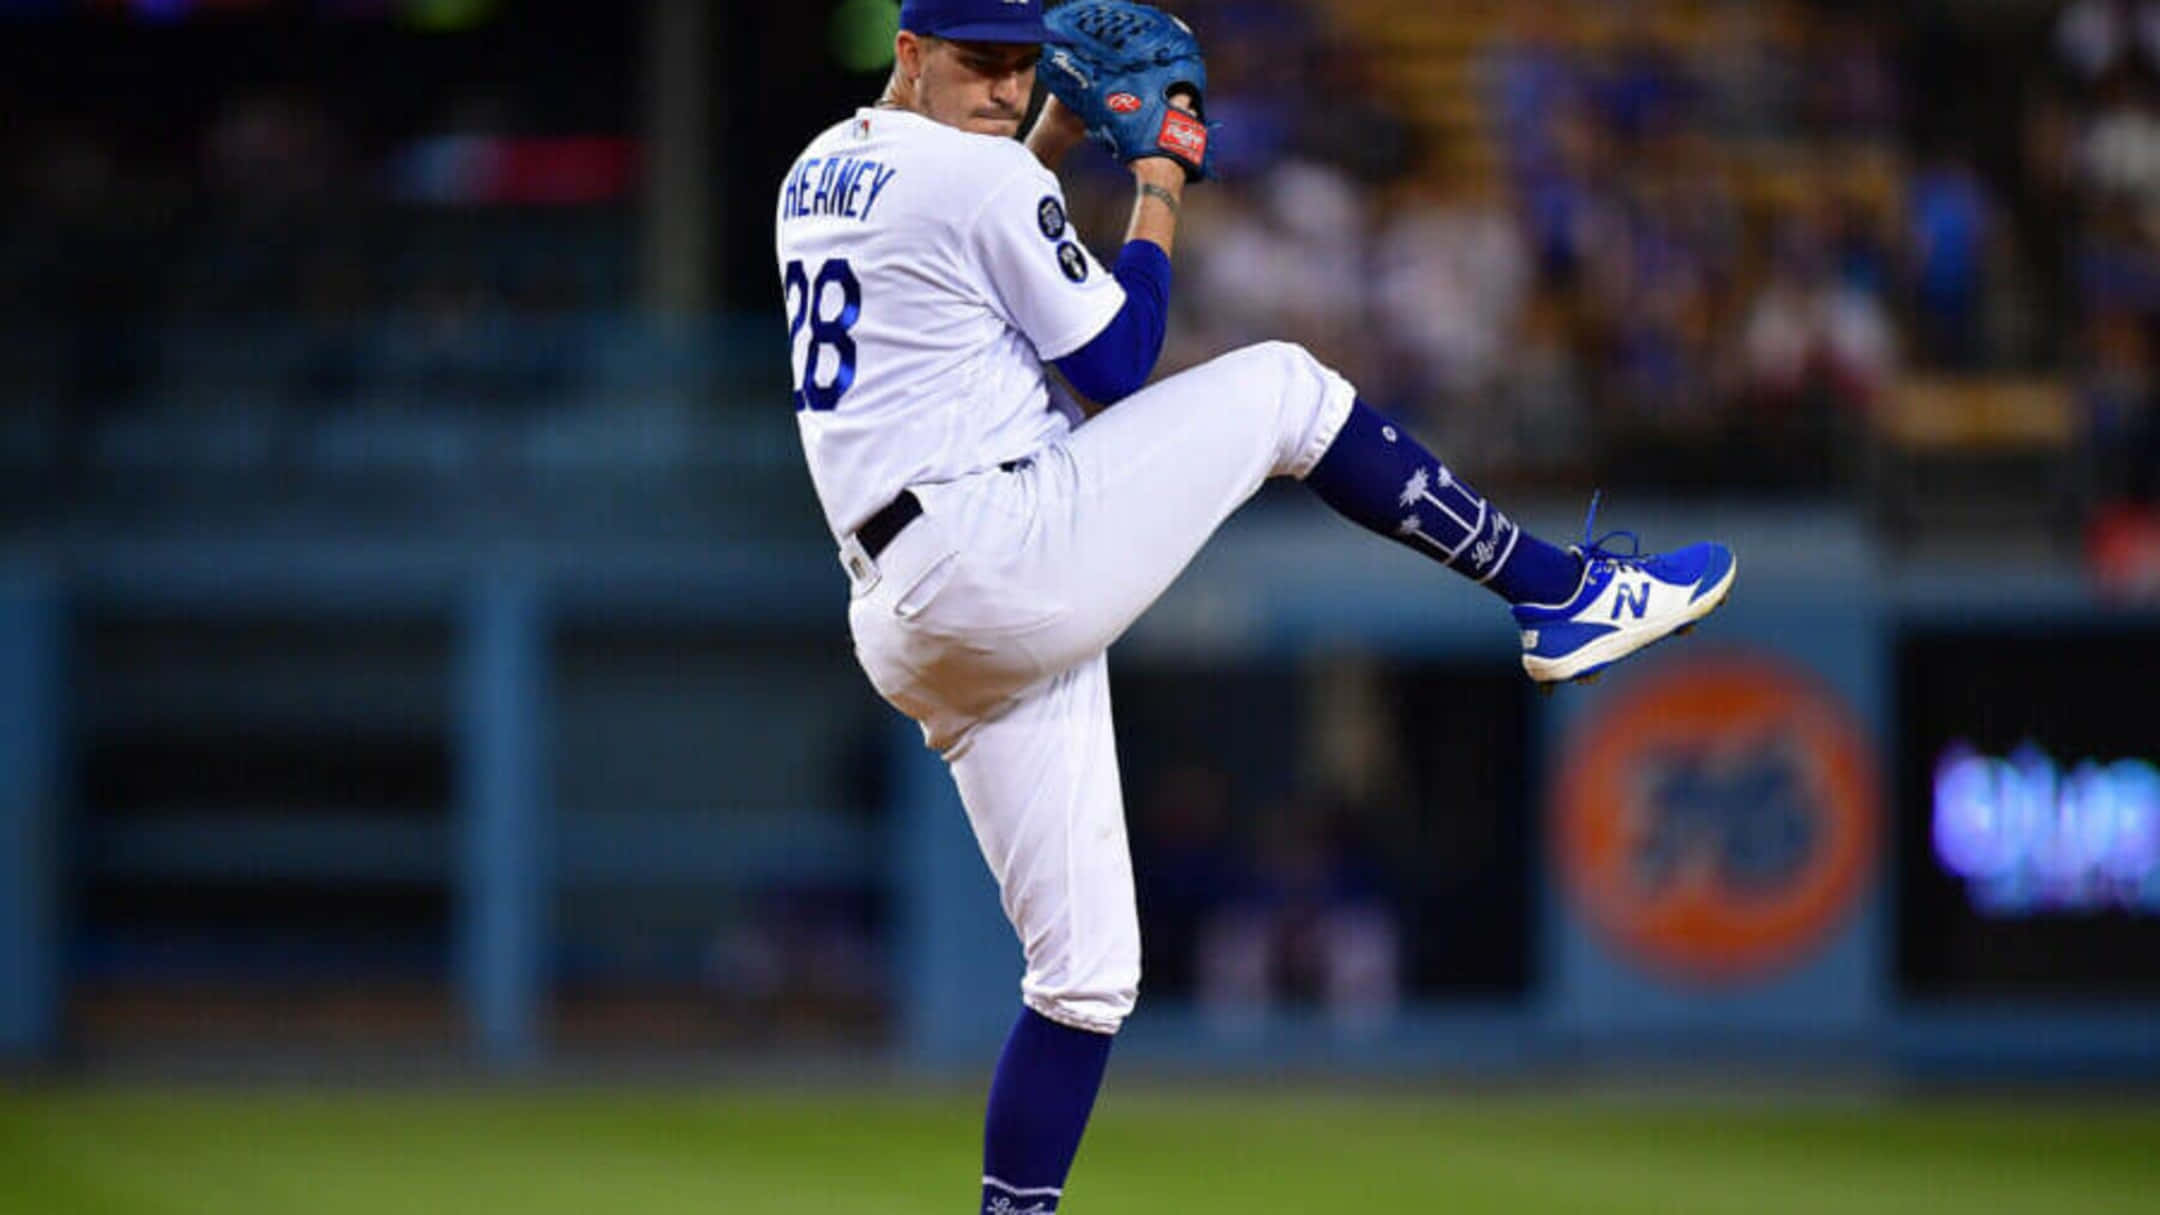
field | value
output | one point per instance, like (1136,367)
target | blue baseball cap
(977,20)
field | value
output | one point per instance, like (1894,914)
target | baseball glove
(1116,66)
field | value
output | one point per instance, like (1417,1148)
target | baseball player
(996,543)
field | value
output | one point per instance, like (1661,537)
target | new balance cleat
(1625,602)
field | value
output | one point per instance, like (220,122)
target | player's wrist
(1159,198)
(1150,192)
(1161,172)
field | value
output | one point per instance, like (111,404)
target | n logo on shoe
(1633,597)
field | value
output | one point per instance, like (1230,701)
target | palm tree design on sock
(1419,488)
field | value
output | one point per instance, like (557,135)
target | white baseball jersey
(928,274)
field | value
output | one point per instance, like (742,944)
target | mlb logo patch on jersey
(1073,262)
(1050,216)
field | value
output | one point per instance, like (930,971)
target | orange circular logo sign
(1718,818)
(1122,103)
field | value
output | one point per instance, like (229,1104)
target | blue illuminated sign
(2029,838)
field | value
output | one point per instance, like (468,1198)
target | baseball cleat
(1625,602)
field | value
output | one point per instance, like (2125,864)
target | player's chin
(1002,125)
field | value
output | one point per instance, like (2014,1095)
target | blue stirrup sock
(1379,477)
(1039,1104)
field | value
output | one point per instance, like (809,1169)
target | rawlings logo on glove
(1184,137)
(1117,65)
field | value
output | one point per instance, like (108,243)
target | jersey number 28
(806,298)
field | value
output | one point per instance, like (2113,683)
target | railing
(551,423)
(511,834)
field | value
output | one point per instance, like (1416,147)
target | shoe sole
(1586,664)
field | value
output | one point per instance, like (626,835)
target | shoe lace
(1595,550)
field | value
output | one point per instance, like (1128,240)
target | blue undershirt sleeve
(1116,362)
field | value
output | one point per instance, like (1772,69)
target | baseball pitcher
(996,545)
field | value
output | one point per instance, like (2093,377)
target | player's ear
(907,55)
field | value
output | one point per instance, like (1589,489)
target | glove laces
(1595,550)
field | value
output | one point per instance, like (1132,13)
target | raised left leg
(1581,609)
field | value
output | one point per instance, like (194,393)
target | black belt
(884,525)
(879,530)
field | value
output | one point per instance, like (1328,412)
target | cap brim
(998,31)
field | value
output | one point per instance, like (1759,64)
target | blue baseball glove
(1116,65)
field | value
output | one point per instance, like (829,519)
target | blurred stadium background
(433,775)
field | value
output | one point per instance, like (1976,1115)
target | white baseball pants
(987,620)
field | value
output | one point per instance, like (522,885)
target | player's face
(977,86)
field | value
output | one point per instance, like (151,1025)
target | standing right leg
(1035,762)
(1040,783)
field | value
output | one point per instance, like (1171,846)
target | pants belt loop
(862,569)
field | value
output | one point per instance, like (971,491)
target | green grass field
(279,1152)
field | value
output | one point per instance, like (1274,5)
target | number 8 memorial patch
(1050,217)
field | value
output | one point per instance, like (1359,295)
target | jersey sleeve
(1116,363)
(1038,272)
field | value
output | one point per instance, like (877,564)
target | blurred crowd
(257,219)
(1652,230)
(270,212)
(2092,156)
(1679,243)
